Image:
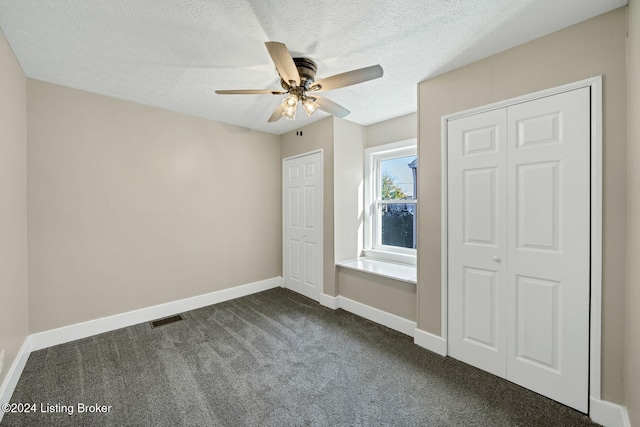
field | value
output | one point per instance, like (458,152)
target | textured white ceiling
(173,54)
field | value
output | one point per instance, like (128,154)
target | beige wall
(131,206)
(393,296)
(318,135)
(348,167)
(392,130)
(633,243)
(389,295)
(13,206)
(591,48)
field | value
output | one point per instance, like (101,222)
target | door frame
(321,225)
(595,327)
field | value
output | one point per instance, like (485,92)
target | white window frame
(373,157)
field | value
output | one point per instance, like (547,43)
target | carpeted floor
(269,359)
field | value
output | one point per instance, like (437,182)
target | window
(391,202)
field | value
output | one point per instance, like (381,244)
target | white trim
(389,320)
(390,270)
(14,372)
(590,82)
(595,339)
(281,280)
(308,153)
(397,323)
(392,146)
(373,249)
(329,301)
(430,341)
(65,334)
(397,257)
(444,230)
(608,414)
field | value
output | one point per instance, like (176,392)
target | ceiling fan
(298,79)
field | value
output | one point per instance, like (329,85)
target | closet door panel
(477,240)
(548,250)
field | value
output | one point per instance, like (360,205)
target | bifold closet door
(518,238)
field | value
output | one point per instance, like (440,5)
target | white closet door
(477,157)
(302,184)
(519,244)
(548,259)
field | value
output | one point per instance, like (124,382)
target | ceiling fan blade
(283,62)
(249,92)
(330,107)
(277,114)
(347,79)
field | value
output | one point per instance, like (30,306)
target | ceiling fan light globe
(290,102)
(289,114)
(309,106)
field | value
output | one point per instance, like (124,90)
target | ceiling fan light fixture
(298,78)
(289,107)
(310,106)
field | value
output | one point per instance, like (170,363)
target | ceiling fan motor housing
(307,70)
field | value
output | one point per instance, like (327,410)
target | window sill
(394,257)
(390,270)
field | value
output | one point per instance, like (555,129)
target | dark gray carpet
(271,359)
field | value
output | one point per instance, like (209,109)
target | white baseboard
(65,334)
(281,279)
(430,342)
(608,414)
(329,301)
(13,374)
(389,320)
(422,338)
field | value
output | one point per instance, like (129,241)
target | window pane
(398,178)
(398,223)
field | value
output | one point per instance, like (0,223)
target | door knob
(497,259)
